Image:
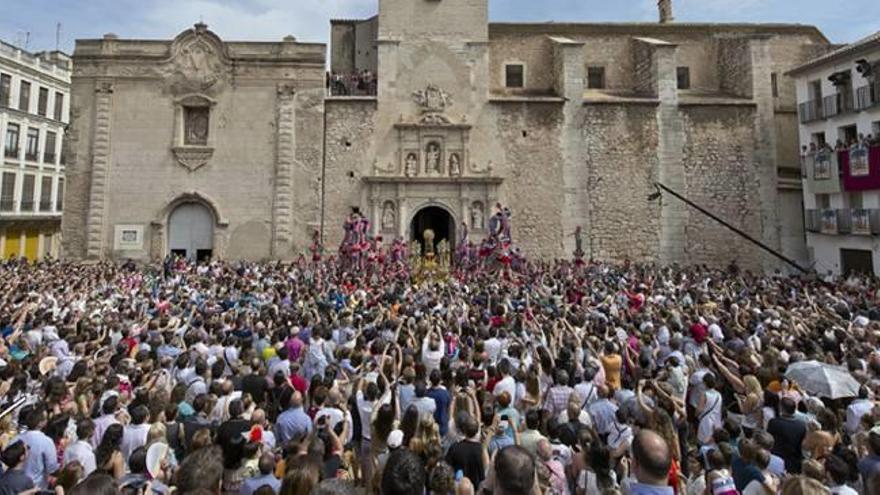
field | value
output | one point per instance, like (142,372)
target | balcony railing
(7,204)
(810,111)
(49,158)
(868,96)
(353,85)
(45,206)
(856,221)
(830,107)
(11,153)
(28,205)
(31,157)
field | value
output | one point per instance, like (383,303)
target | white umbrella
(823,380)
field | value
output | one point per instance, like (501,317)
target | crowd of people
(564,378)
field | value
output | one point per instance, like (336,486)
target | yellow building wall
(12,246)
(32,245)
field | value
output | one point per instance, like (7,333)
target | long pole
(323,172)
(739,232)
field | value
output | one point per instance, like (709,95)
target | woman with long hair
(108,455)
(426,443)
(301,479)
(409,424)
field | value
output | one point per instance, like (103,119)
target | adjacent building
(432,115)
(34,105)
(839,106)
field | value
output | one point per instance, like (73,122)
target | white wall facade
(31,228)
(826,248)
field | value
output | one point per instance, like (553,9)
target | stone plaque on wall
(128,238)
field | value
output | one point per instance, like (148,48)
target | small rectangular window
(5,89)
(46,194)
(12,136)
(59,105)
(24,96)
(514,75)
(59,196)
(7,194)
(683,76)
(28,190)
(49,149)
(774,84)
(43,102)
(31,150)
(596,77)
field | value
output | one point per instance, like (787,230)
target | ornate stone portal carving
(434,101)
(412,165)
(433,159)
(477,216)
(454,165)
(389,216)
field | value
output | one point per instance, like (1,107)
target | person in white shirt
(854,412)
(493,346)
(432,351)
(81,450)
(135,434)
(507,383)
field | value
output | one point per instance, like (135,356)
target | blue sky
(842,21)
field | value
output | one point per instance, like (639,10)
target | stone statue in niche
(432,160)
(412,165)
(477,216)
(454,165)
(388,216)
(195,126)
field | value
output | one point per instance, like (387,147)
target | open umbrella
(823,380)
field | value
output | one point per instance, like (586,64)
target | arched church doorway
(191,231)
(437,219)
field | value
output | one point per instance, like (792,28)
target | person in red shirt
(296,381)
(699,332)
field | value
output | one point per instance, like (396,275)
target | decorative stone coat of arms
(434,101)
(197,63)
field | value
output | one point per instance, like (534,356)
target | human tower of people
(340,376)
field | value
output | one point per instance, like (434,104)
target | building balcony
(810,111)
(31,157)
(855,221)
(868,96)
(11,153)
(838,104)
(49,158)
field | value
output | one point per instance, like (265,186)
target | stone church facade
(236,149)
